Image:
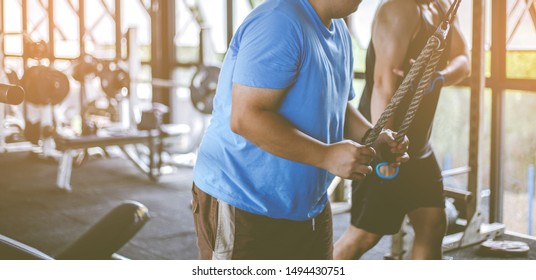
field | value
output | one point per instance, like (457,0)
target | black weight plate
(112,81)
(203,88)
(44,85)
(58,86)
(32,82)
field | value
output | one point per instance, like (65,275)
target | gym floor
(33,211)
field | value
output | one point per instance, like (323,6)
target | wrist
(323,157)
(365,136)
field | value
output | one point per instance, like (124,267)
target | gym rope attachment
(422,71)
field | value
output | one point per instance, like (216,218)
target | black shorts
(379,206)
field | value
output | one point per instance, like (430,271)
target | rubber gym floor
(33,211)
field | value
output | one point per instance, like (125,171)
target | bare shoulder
(398,14)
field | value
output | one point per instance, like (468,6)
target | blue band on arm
(437,79)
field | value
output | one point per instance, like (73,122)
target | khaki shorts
(225,232)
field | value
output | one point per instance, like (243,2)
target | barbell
(45,85)
(11,94)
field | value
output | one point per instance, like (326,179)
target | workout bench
(100,242)
(153,139)
(69,145)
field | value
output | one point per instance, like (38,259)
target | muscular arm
(392,31)
(255,116)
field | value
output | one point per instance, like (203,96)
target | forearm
(456,71)
(276,135)
(355,125)
(381,96)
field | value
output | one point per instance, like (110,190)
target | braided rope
(422,62)
(416,101)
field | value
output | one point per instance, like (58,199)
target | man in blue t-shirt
(276,138)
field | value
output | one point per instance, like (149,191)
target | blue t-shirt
(281,44)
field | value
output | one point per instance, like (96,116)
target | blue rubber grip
(381,176)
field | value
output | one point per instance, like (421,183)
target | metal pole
(478,83)
(163,53)
(82,29)
(24,17)
(531,195)
(24,5)
(2,20)
(118,32)
(82,26)
(201,54)
(230,21)
(498,76)
(2,34)
(134,65)
(51,29)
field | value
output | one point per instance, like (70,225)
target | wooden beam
(51,33)
(478,83)
(498,75)
(520,84)
(118,32)
(82,26)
